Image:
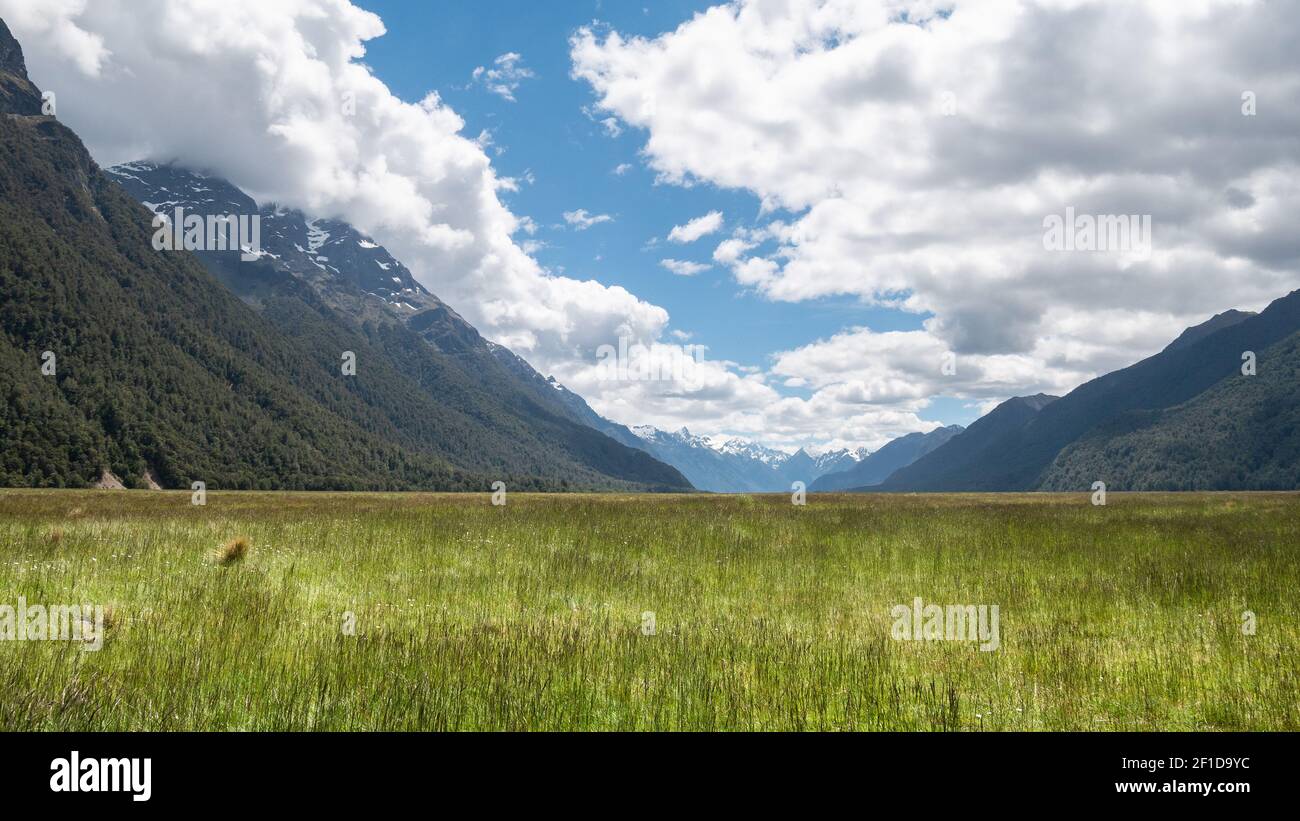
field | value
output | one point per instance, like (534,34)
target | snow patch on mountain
(316,237)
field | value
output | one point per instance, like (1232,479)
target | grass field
(767,616)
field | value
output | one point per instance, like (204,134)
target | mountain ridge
(156,368)
(319,276)
(1240,434)
(737,465)
(879,466)
(974,449)
(18,94)
(1018,452)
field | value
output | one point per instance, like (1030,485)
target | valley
(395,611)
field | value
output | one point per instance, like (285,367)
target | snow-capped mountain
(751,450)
(347,268)
(825,462)
(878,466)
(832,461)
(737,465)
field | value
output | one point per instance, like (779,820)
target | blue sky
(548,133)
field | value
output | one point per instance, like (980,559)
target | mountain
(701,464)
(1241,434)
(835,461)
(327,271)
(751,451)
(739,465)
(167,371)
(17,93)
(157,368)
(970,460)
(1217,322)
(1131,415)
(877,467)
(349,272)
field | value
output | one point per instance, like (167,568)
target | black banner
(145,772)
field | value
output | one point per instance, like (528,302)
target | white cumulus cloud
(581,220)
(276,98)
(696,228)
(684,268)
(504,76)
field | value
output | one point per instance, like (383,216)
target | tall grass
(768,616)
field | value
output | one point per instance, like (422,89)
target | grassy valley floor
(443,612)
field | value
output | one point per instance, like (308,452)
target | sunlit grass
(768,616)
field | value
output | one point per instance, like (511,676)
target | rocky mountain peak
(18,95)
(11,54)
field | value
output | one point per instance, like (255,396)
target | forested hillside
(160,369)
(1241,434)
(1183,419)
(426,370)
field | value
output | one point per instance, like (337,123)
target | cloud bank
(908,154)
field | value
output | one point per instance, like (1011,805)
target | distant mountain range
(738,465)
(172,366)
(877,467)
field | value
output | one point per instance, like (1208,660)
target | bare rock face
(11,54)
(107,481)
(17,93)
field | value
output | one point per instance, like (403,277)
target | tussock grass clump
(112,619)
(233,551)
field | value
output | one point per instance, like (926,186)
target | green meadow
(444,612)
